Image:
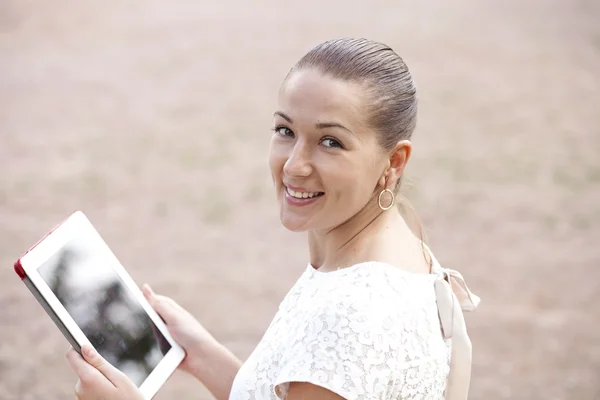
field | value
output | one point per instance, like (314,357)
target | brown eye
(331,143)
(283,131)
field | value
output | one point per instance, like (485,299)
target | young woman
(373,316)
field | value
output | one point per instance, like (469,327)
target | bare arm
(308,391)
(206,359)
(216,367)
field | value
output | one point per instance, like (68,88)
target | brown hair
(390,92)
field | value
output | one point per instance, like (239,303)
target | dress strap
(453,296)
(468,300)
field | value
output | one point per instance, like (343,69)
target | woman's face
(325,161)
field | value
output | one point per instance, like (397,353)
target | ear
(396,165)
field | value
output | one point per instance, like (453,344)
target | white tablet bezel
(77,225)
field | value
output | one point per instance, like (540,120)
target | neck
(355,240)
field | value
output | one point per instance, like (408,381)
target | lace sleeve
(361,346)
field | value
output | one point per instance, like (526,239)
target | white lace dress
(370,331)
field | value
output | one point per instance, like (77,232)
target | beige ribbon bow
(453,296)
(467,300)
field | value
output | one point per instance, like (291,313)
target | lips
(300,197)
(300,193)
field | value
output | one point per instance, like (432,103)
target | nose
(298,162)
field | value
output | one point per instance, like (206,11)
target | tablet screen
(83,279)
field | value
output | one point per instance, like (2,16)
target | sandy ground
(153,117)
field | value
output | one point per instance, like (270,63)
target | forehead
(311,96)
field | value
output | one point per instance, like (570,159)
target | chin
(294,224)
(293,227)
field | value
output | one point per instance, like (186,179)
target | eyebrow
(319,125)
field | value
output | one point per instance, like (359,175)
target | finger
(148,292)
(94,359)
(152,297)
(172,303)
(164,306)
(87,374)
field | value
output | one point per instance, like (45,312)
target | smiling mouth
(303,195)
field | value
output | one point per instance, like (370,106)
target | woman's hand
(206,359)
(98,380)
(184,328)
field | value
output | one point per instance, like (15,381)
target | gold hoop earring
(391,203)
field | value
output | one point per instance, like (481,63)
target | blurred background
(153,118)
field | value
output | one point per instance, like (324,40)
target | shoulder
(376,289)
(358,330)
(371,291)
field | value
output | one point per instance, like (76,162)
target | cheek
(353,183)
(340,178)
(276,162)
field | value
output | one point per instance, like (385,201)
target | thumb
(164,306)
(94,358)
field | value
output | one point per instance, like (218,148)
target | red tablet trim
(19,270)
(18,267)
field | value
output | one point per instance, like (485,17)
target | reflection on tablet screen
(84,281)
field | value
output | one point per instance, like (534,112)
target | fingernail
(150,291)
(89,351)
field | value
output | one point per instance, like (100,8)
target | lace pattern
(370,331)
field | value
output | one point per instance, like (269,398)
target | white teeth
(301,195)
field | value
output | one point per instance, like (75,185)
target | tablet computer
(92,299)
